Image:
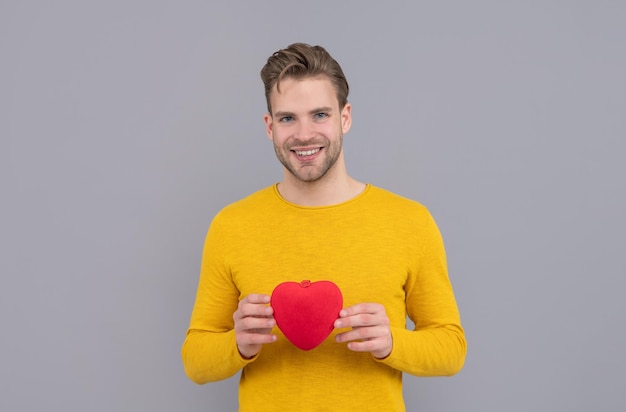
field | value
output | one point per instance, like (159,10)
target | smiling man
(302,135)
(383,251)
(307,125)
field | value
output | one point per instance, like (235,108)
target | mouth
(310,152)
(307,154)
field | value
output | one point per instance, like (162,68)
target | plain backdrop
(126,125)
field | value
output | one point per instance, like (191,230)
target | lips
(307,154)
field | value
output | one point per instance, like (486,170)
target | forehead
(303,94)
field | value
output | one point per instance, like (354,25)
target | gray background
(126,125)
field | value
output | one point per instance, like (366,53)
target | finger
(253,305)
(372,345)
(362,320)
(249,344)
(371,308)
(361,334)
(256,298)
(254,310)
(250,323)
(380,347)
(255,338)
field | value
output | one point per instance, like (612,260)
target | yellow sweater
(378,247)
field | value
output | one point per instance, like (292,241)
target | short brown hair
(299,61)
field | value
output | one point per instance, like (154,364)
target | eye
(285,119)
(320,116)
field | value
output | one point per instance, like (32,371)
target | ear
(267,118)
(346,118)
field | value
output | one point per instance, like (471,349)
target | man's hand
(254,321)
(370,329)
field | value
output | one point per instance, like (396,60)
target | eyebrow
(316,110)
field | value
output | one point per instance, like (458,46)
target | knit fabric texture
(377,247)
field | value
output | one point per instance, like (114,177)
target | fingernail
(337,323)
(343,313)
(271,322)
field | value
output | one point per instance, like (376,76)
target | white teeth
(306,152)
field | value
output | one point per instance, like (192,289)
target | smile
(307,152)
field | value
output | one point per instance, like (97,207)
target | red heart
(305,312)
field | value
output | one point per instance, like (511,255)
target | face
(307,128)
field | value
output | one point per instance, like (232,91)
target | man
(383,251)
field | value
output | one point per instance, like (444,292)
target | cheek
(279,138)
(331,130)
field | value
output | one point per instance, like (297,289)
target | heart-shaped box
(306,312)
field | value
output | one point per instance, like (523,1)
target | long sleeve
(437,345)
(210,351)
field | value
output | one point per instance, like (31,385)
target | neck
(329,190)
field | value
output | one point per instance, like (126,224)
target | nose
(305,129)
